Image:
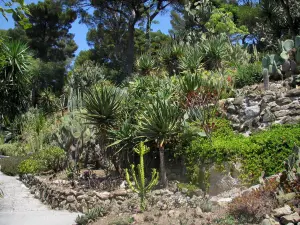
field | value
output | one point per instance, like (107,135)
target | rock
(184,190)
(252,111)
(120,192)
(231,109)
(173,214)
(283,211)
(81,197)
(71,198)
(292,218)
(283,198)
(198,192)
(293,93)
(281,113)
(103,195)
(269,221)
(198,212)
(238,101)
(283,101)
(268,116)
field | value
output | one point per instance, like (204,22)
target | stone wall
(257,110)
(59,195)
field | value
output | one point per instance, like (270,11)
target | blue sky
(80,30)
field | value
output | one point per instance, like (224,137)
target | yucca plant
(215,52)
(145,65)
(103,106)
(14,78)
(170,55)
(161,121)
(191,61)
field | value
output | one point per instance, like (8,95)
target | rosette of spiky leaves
(139,185)
(145,65)
(90,216)
(170,55)
(103,104)
(215,52)
(160,121)
(191,61)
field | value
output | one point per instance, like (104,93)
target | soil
(180,216)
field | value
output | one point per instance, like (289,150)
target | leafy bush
(248,74)
(8,149)
(31,166)
(53,158)
(9,166)
(251,207)
(263,151)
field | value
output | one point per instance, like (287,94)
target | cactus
(139,185)
(290,177)
(266,78)
(291,54)
(270,63)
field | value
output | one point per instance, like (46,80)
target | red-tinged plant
(254,205)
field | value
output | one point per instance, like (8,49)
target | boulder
(283,101)
(283,211)
(103,195)
(252,111)
(293,93)
(292,218)
(71,199)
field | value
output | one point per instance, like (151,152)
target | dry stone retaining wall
(257,111)
(59,195)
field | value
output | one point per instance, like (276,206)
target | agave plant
(215,52)
(145,65)
(170,55)
(190,82)
(191,61)
(161,122)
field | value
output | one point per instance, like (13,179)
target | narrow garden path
(19,207)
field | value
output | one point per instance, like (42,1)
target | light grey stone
(252,111)
(293,93)
(283,211)
(71,198)
(281,113)
(283,101)
(292,218)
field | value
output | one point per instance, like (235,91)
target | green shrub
(7,149)
(32,166)
(263,151)
(9,166)
(13,149)
(53,158)
(248,74)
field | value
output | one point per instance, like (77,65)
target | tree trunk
(130,50)
(148,29)
(163,173)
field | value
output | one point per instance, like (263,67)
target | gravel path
(19,207)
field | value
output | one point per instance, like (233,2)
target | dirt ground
(171,217)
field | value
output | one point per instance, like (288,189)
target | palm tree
(103,105)
(161,122)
